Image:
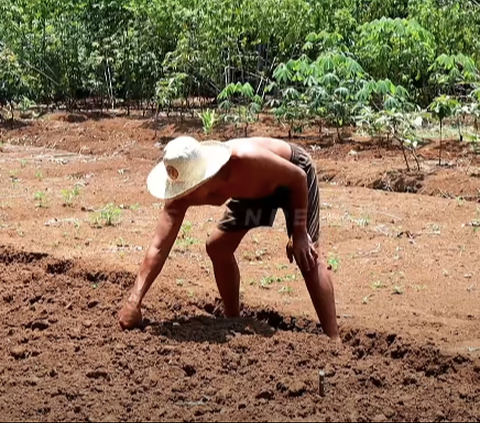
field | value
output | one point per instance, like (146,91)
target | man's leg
(320,287)
(318,279)
(221,247)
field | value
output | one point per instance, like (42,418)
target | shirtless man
(255,176)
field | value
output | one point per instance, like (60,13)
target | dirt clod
(189,370)
(40,325)
(410,379)
(8,298)
(18,352)
(265,394)
(329,371)
(97,374)
(293,388)
(92,303)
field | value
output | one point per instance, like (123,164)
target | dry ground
(406,274)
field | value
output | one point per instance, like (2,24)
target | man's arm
(285,173)
(166,231)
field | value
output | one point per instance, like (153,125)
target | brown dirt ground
(406,276)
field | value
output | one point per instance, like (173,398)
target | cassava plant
(442,108)
(400,128)
(241,104)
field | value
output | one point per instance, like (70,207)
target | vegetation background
(383,65)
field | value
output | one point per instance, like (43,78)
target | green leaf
(384,87)
(391,103)
(326,64)
(312,37)
(247,90)
(330,79)
(282,73)
(270,87)
(342,92)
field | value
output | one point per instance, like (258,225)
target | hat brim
(160,186)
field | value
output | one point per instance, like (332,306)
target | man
(256,176)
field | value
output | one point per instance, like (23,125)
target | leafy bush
(117,52)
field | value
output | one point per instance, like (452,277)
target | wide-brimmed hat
(186,165)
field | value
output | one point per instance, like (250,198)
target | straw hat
(186,165)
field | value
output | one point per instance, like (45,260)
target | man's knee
(220,245)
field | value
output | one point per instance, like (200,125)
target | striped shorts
(244,214)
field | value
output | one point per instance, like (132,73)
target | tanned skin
(257,167)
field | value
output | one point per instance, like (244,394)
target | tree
(441,108)
(12,81)
(398,49)
(168,89)
(449,73)
(249,107)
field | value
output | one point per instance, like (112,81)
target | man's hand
(303,250)
(130,316)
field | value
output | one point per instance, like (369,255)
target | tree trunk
(44,35)
(112,98)
(156,119)
(404,154)
(414,154)
(441,144)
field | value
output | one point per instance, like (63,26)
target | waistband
(299,154)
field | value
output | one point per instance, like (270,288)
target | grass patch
(333,262)
(110,215)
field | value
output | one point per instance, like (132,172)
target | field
(404,260)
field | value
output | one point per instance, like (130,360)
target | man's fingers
(290,251)
(307,262)
(290,255)
(311,261)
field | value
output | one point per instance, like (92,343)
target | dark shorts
(244,214)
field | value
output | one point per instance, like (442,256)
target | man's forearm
(149,270)
(157,253)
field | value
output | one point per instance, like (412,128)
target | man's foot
(130,316)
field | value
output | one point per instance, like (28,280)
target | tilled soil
(64,358)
